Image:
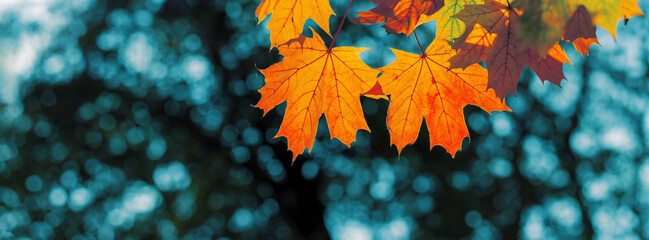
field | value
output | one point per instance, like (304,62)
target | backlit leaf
(580,30)
(399,16)
(289,17)
(315,80)
(492,38)
(448,27)
(423,87)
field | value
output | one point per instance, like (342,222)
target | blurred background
(134,119)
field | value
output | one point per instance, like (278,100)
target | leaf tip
(376,92)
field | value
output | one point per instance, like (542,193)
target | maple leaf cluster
(433,86)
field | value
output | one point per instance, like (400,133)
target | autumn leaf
(316,80)
(491,37)
(376,92)
(423,87)
(580,30)
(494,15)
(550,66)
(448,27)
(289,17)
(495,44)
(434,87)
(607,13)
(544,20)
(399,16)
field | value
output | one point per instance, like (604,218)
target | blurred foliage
(134,119)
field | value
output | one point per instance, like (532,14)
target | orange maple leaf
(400,16)
(316,80)
(424,87)
(491,37)
(289,17)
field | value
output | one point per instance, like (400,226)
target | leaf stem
(341,25)
(418,44)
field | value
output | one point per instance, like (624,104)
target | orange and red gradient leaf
(289,17)
(423,87)
(399,16)
(315,80)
